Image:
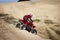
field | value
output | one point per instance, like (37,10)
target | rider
(28,21)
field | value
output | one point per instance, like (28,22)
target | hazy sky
(4,1)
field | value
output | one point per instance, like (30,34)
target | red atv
(29,27)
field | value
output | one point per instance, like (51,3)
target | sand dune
(42,11)
(9,32)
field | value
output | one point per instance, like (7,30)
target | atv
(22,26)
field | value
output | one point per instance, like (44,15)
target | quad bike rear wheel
(23,27)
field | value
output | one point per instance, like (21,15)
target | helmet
(26,17)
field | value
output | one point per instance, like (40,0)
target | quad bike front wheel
(34,31)
(18,25)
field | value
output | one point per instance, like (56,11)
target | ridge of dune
(23,8)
